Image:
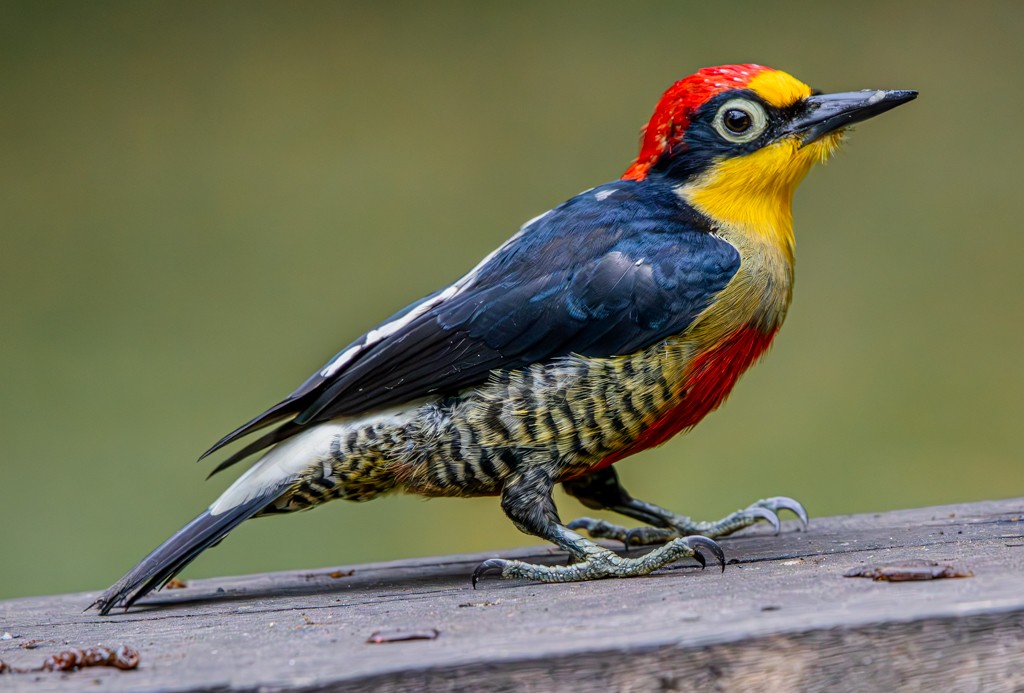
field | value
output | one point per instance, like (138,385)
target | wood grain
(781,617)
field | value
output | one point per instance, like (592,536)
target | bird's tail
(171,557)
(265,485)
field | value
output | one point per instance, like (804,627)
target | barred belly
(566,416)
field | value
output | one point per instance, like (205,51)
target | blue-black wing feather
(613,270)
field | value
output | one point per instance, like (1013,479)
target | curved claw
(766,514)
(580,523)
(491,564)
(699,557)
(697,541)
(631,536)
(797,508)
(793,506)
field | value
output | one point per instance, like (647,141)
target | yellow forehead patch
(778,88)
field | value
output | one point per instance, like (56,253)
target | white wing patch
(530,223)
(385,330)
(340,360)
(378,334)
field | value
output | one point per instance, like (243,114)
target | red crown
(676,106)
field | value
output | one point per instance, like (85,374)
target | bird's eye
(737,121)
(741,120)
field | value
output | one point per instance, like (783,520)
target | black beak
(827,113)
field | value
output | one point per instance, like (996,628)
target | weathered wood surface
(782,617)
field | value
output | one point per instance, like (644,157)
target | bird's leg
(602,491)
(526,499)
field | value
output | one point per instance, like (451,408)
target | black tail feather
(283,431)
(279,411)
(168,559)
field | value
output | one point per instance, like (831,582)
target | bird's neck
(753,194)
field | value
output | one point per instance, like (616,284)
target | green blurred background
(201,202)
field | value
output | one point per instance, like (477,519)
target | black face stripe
(702,144)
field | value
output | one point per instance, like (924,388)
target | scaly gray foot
(601,563)
(681,526)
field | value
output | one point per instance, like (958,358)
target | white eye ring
(741,120)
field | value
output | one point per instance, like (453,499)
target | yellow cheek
(754,193)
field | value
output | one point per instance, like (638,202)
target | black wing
(611,271)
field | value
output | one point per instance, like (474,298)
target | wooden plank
(782,617)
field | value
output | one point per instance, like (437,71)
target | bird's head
(738,139)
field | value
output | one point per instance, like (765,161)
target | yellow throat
(754,193)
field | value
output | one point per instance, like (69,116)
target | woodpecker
(605,326)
